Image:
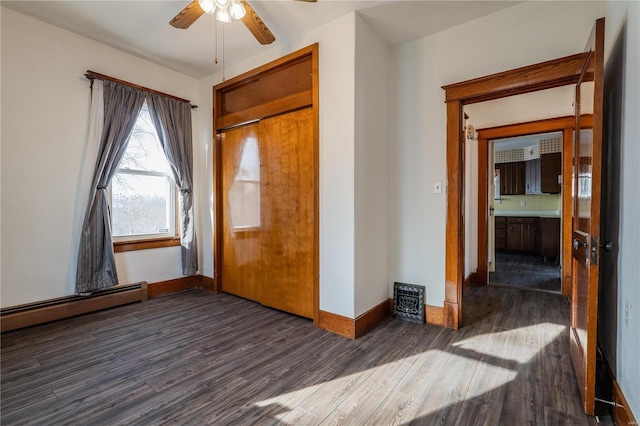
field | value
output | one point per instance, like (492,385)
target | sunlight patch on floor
(525,342)
(499,354)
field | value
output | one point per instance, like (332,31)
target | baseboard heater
(21,316)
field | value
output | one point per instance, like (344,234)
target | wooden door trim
(246,78)
(565,125)
(544,75)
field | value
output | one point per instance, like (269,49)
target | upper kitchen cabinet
(533,181)
(512,178)
(551,168)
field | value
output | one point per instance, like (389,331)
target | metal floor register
(408,302)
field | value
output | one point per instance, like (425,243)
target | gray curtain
(96,263)
(172,120)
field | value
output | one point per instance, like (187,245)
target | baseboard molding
(354,328)
(16,317)
(471,279)
(22,316)
(179,284)
(622,414)
(337,324)
(434,315)
(372,318)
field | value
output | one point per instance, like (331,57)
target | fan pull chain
(215,37)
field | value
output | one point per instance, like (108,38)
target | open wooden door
(586,216)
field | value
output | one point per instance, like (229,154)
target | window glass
(143,191)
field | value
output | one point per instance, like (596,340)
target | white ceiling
(142,27)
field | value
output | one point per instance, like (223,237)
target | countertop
(528,213)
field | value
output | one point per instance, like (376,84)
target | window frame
(148,241)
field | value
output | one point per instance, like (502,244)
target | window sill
(122,246)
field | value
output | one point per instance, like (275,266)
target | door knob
(607,246)
(577,244)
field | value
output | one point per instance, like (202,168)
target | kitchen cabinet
(522,234)
(501,233)
(551,168)
(533,180)
(512,178)
(550,238)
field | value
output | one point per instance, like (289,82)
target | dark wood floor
(526,271)
(198,358)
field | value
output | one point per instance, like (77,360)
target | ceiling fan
(226,11)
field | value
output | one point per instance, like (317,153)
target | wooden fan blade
(308,1)
(187,16)
(258,28)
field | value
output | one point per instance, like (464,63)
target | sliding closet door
(287,198)
(241,264)
(268,206)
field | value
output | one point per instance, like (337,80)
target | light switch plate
(523,203)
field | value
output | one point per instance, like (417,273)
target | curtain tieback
(101,187)
(187,191)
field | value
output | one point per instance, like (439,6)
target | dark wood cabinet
(522,234)
(529,235)
(501,233)
(512,178)
(551,168)
(550,237)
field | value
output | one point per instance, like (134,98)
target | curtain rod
(91,75)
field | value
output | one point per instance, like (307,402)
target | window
(143,193)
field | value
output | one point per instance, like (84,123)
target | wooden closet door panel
(287,153)
(241,263)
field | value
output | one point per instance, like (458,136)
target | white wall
(550,103)
(337,153)
(628,338)
(47,165)
(520,35)
(371,168)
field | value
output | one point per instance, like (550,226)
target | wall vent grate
(408,302)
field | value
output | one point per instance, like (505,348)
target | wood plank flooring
(526,271)
(197,358)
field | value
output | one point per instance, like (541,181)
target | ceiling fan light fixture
(237,9)
(208,6)
(223,15)
(221,4)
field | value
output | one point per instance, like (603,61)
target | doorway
(545,75)
(549,209)
(525,205)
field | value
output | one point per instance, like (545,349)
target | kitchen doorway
(527,210)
